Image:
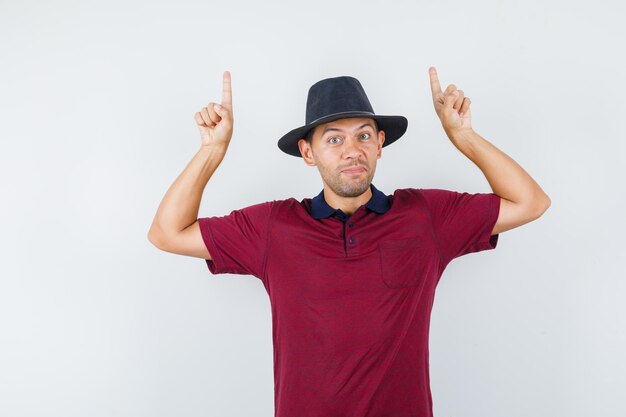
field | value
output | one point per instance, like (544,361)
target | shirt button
(351,240)
(350,224)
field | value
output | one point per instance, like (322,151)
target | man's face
(345,144)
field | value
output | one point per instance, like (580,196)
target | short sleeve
(462,222)
(238,241)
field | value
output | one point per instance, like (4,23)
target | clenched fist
(215,121)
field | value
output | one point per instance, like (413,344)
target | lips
(354,170)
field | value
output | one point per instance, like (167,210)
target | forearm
(505,176)
(180,205)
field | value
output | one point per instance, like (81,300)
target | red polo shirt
(351,296)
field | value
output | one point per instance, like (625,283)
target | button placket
(348,239)
(345,247)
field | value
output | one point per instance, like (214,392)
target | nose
(351,148)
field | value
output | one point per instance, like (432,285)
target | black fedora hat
(339,98)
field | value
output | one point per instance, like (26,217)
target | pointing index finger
(227,96)
(435,87)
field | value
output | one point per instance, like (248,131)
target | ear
(306,152)
(381,140)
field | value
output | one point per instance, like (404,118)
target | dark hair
(309,135)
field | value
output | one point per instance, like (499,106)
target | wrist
(214,148)
(462,135)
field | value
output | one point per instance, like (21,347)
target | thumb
(218,109)
(221,111)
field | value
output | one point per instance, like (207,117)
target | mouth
(355,170)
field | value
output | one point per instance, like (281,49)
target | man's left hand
(452,107)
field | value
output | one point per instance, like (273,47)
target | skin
(175,226)
(521,199)
(345,145)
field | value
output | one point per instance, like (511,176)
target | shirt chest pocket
(406,263)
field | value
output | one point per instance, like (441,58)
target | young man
(351,273)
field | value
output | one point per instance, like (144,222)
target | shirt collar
(378,203)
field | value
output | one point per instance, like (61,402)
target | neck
(347,204)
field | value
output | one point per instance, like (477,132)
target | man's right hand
(215,121)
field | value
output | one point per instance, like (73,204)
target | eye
(368,135)
(331,139)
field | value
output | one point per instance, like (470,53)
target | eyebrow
(328,129)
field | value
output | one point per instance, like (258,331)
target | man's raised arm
(521,199)
(175,226)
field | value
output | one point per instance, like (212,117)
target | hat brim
(394,127)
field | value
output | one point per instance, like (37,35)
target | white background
(96,105)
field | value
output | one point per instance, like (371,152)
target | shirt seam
(487,221)
(267,240)
(217,256)
(432,231)
(485,243)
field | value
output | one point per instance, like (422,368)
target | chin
(354,189)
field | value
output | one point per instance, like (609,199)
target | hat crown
(336,95)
